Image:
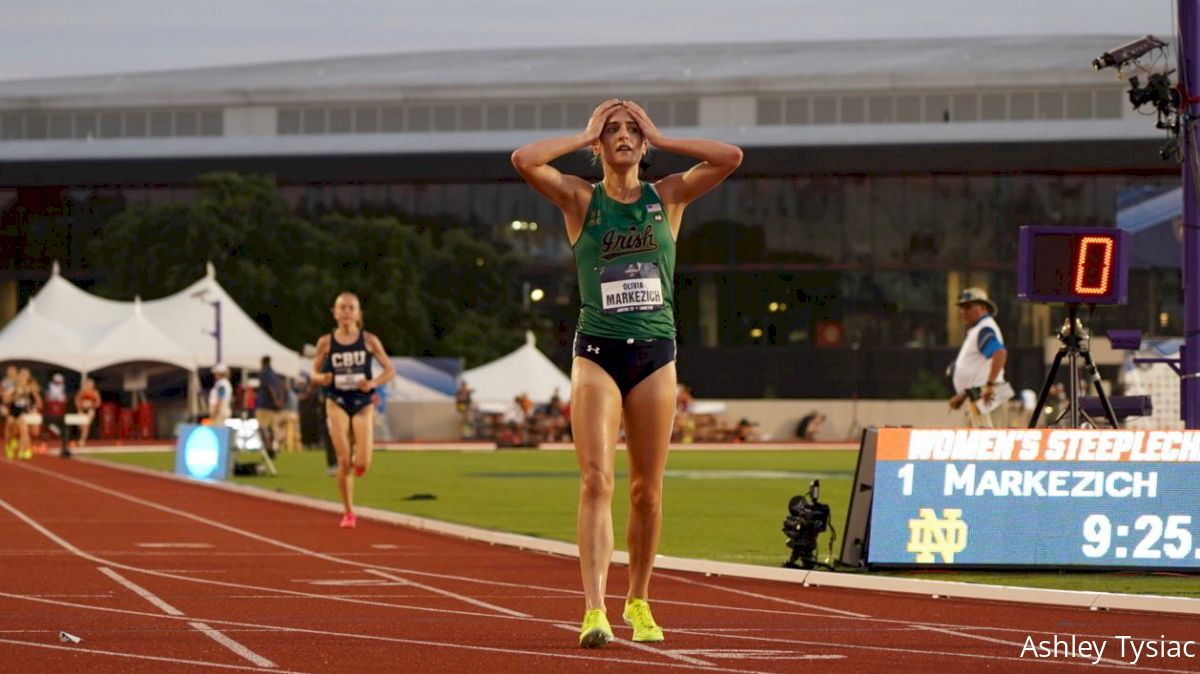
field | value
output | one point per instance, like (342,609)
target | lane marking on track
(177,546)
(232,645)
(446,593)
(140,591)
(135,656)
(211,633)
(608,658)
(747,593)
(849,615)
(757,654)
(1027,662)
(674,655)
(385,546)
(1014,644)
(349,582)
(240,586)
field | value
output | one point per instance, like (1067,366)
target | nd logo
(930,536)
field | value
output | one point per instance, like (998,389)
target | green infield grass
(719,505)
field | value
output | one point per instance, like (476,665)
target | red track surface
(155,576)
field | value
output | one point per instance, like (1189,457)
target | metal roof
(506,141)
(585,71)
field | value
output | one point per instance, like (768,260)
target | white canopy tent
(189,319)
(31,335)
(135,338)
(68,327)
(525,370)
(90,332)
(76,310)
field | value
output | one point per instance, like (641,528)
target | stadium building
(880,178)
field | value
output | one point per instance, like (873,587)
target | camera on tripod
(807,518)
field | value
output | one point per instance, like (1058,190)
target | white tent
(176,329)
(189,319)
(134,338)
(525,370)
(76,310)
(31,335)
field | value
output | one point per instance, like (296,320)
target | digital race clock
(1073,265)
(1026,498)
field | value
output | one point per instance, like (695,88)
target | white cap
(220,368)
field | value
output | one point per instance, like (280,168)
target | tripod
(1074,346)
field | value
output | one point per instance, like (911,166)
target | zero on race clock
(1026,498)
(1074,265)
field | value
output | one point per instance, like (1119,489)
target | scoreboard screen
(1027,498)
(1074,265)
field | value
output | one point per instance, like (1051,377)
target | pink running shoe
(349,521)
(359,470)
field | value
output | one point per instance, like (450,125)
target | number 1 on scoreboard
(906,474)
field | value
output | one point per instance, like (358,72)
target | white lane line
(385,546)
(177,546)
(140,591)
(756,595)
(364,565)
(845,614)
(758,654)
(447,593)
(1026,663)
(232,645)
(135,656)
(1014,644)
(239,586)
(216,636)
(648,649)
(281,544)
(539,655)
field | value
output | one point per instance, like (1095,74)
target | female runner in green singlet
(623,232)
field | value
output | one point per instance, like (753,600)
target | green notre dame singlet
(625,259)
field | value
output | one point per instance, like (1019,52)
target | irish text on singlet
(625,259)
(349,363)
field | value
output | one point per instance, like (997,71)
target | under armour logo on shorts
(593,349)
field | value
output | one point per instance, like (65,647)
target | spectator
(267,404)
(462,402)
(744,432)
(978,372)
(685,425)
(87,401)
(220,396)
(809,425)
(56,409)
(289,418)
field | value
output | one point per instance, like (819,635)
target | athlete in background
(343,365)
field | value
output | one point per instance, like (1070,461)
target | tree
(459,297)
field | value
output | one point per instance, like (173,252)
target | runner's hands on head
(649,131)
(599,116)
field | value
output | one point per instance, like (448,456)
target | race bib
(636,286)
(348,382)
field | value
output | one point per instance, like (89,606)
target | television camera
(807,518)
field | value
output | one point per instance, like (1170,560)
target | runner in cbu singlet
(350,365)
(625,257)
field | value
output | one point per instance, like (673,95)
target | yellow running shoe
(637,614)
(595,631)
